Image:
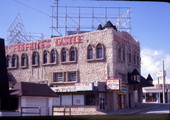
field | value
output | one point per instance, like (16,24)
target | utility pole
(163,83)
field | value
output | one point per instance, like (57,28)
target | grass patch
(97,117)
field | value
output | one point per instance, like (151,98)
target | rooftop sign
(47,43)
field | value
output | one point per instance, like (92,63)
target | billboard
(113,84)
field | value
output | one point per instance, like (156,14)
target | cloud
(152,62)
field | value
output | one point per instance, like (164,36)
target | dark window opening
(58,77)
(35,58)
(14,61)
(72,54)
(119,53)
(53,56)
(130,59)
(90,52)
(24,60)
(45,57)
(63,55)
(99,51)
(90,99)
(72,76)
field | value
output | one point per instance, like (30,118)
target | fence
(74,110)
(34,111)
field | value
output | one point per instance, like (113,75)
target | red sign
(126,43)
(113,84)
(47,43)
(68,40)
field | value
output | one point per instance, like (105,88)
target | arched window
(35,58)
(24,60)
(99,51)
(45,57)
(8,61)
(72,54)
(14,61)
(89,52)
(134,58)
(130,58)
(119,53)
(63,55)
(53,55)
(123,53)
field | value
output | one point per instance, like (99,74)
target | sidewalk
(135,110)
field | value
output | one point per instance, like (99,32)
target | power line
(32,8)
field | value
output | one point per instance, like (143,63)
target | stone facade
(120,55)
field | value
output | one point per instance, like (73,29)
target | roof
(100,27)
(144,82)
(135,72)
(109,24)
(32,89)
(149,78)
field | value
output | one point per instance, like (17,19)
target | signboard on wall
(113,84)
(84,86)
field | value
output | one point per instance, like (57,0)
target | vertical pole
(57,13)
(163,84)
(66,20)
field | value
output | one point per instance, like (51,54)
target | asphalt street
(161,109)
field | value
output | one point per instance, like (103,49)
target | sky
(150,24)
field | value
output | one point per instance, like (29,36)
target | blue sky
(150,24)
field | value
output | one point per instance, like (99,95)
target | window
(119,54)
(35,58)
(53,56)
(136,78)
(123,54)
(130,59)
(72,76)
(99,51)
(58,77)
(8,61)
(90,99)
(24,60)
(90,52)
(63,55)
(45,57)
(134,59)
(72,54)
(14,60)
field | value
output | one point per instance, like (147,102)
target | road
(161,109)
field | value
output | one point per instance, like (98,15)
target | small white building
(33,99)
(155,94)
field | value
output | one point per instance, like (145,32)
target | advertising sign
(84,86)
(160,73)
(63,89)
(113,84)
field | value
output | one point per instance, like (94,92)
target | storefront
(155,94)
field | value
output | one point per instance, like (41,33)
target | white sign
(160,73)
(113,84)
(84,86)
(63,89)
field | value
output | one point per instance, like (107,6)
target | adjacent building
(155,94)
(99,69)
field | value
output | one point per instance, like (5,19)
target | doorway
(130,95)
(102,101)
